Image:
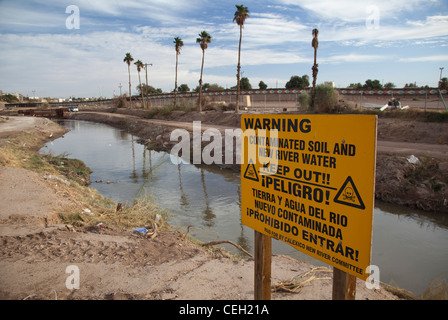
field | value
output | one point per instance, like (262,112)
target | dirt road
(18,124)
(411,148)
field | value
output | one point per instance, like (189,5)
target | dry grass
(19,153)
(427,173)
(395,290)
(91,208)
(142,213)
(294,285)
(16,151)
(437,290)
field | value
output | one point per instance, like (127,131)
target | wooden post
(262,272)
(344,285)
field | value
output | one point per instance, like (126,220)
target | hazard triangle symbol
(348,195)
(251,172)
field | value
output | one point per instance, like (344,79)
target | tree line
(376,84)
(204,39)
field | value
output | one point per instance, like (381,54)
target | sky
(53,48)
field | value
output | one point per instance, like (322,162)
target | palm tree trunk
(141,90)
(313,93)
(129,72)
(200,82)
(238,71)
(175,83)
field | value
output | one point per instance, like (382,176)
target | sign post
(308,180)
(344,285)
(262,272)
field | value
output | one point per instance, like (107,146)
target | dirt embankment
(40,258)
(422,185)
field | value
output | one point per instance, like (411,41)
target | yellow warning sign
(308,180)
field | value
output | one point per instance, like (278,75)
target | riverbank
(422,184)
(39,253)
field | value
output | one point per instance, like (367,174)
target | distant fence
(286,99)
(269,98)
(431,91)
(393,92)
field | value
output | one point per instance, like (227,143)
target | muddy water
(409,246)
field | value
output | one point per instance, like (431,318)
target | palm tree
(204,39)
(178,44)
(139,65)
(240,17)
(314,44)
(128,59)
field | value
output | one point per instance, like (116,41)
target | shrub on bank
(326,99)
(304,100)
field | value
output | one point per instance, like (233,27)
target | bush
(44,105)
(326,98)
(9,98)
(122,102)
(304,99)
(436,116)
(152,112)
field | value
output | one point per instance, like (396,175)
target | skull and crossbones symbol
(349,194)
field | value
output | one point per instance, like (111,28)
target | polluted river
(409,246)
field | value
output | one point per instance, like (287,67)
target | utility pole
(120,88)
(440,87)
(146,71)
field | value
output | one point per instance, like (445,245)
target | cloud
(40,53)
(352,58)
(354,10)
(59,62)
(39,16)
(16,16)
(370,22)
(267,29)
(354,35)
(66,64)
(441,57)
